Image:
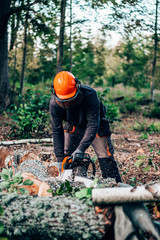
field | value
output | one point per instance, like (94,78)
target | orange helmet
(65,85)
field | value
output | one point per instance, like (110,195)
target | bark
(146,193)
(4,79)
(27,217)
(70,35)
(61,37)
(24,50)
(14,70)
(14,28)
(155,52)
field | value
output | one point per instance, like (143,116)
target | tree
(24,48)
(142,18)
(4,79)
(155,51)
(90,62)
(6,10)
(100,56)
(78,56)
(134,63)
(15,22)
(61,37)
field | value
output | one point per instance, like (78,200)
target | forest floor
(137,153)
(130,146)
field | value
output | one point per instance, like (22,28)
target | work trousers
(104,150)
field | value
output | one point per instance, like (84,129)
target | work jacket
(86,117)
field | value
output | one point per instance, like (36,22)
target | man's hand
(77,153)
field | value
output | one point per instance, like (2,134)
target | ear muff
(78,83)
(52,89)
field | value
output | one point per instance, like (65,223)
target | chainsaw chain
(73,173)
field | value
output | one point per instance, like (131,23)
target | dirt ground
(129,146)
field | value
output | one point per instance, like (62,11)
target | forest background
(110,45)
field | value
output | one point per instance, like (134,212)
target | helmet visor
(68,99)
(70,102)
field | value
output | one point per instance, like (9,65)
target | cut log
(4,152)
(25,141)
(28,217)
(116,195)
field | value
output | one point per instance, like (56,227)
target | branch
(23,7)
(25,141)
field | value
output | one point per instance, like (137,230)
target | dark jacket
(87,118)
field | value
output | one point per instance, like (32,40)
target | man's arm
(93,121)
(57,128)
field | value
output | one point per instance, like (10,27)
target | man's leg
(71,142)
(104,150)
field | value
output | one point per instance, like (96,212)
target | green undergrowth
(13,182)
(146,127)
(129,100)
(30,114)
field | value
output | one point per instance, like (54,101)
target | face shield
(70,102)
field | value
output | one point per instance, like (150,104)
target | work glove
(77,154)
(59,166)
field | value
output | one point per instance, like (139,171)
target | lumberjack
(85,124)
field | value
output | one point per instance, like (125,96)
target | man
(85,123)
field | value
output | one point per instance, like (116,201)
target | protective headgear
(65,86)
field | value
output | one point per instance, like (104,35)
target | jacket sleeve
(57,128)
(93,121)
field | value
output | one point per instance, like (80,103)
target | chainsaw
(70,168)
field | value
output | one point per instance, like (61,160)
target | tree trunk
(14,29)
(27,217)
(24,51)
(117,195)
(4,78)
(61,37)
(70,35)
(155,53)
(14,69)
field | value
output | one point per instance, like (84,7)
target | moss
(47,206)
(10,197)
(86,236)
(51,214)
(17,232)
(39,213)
(39,205)
(44,224)
(51,218)
(13,220)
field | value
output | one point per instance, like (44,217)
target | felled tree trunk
(117,195)
(28,217)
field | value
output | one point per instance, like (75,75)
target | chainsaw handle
(67,159)
(79,162)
